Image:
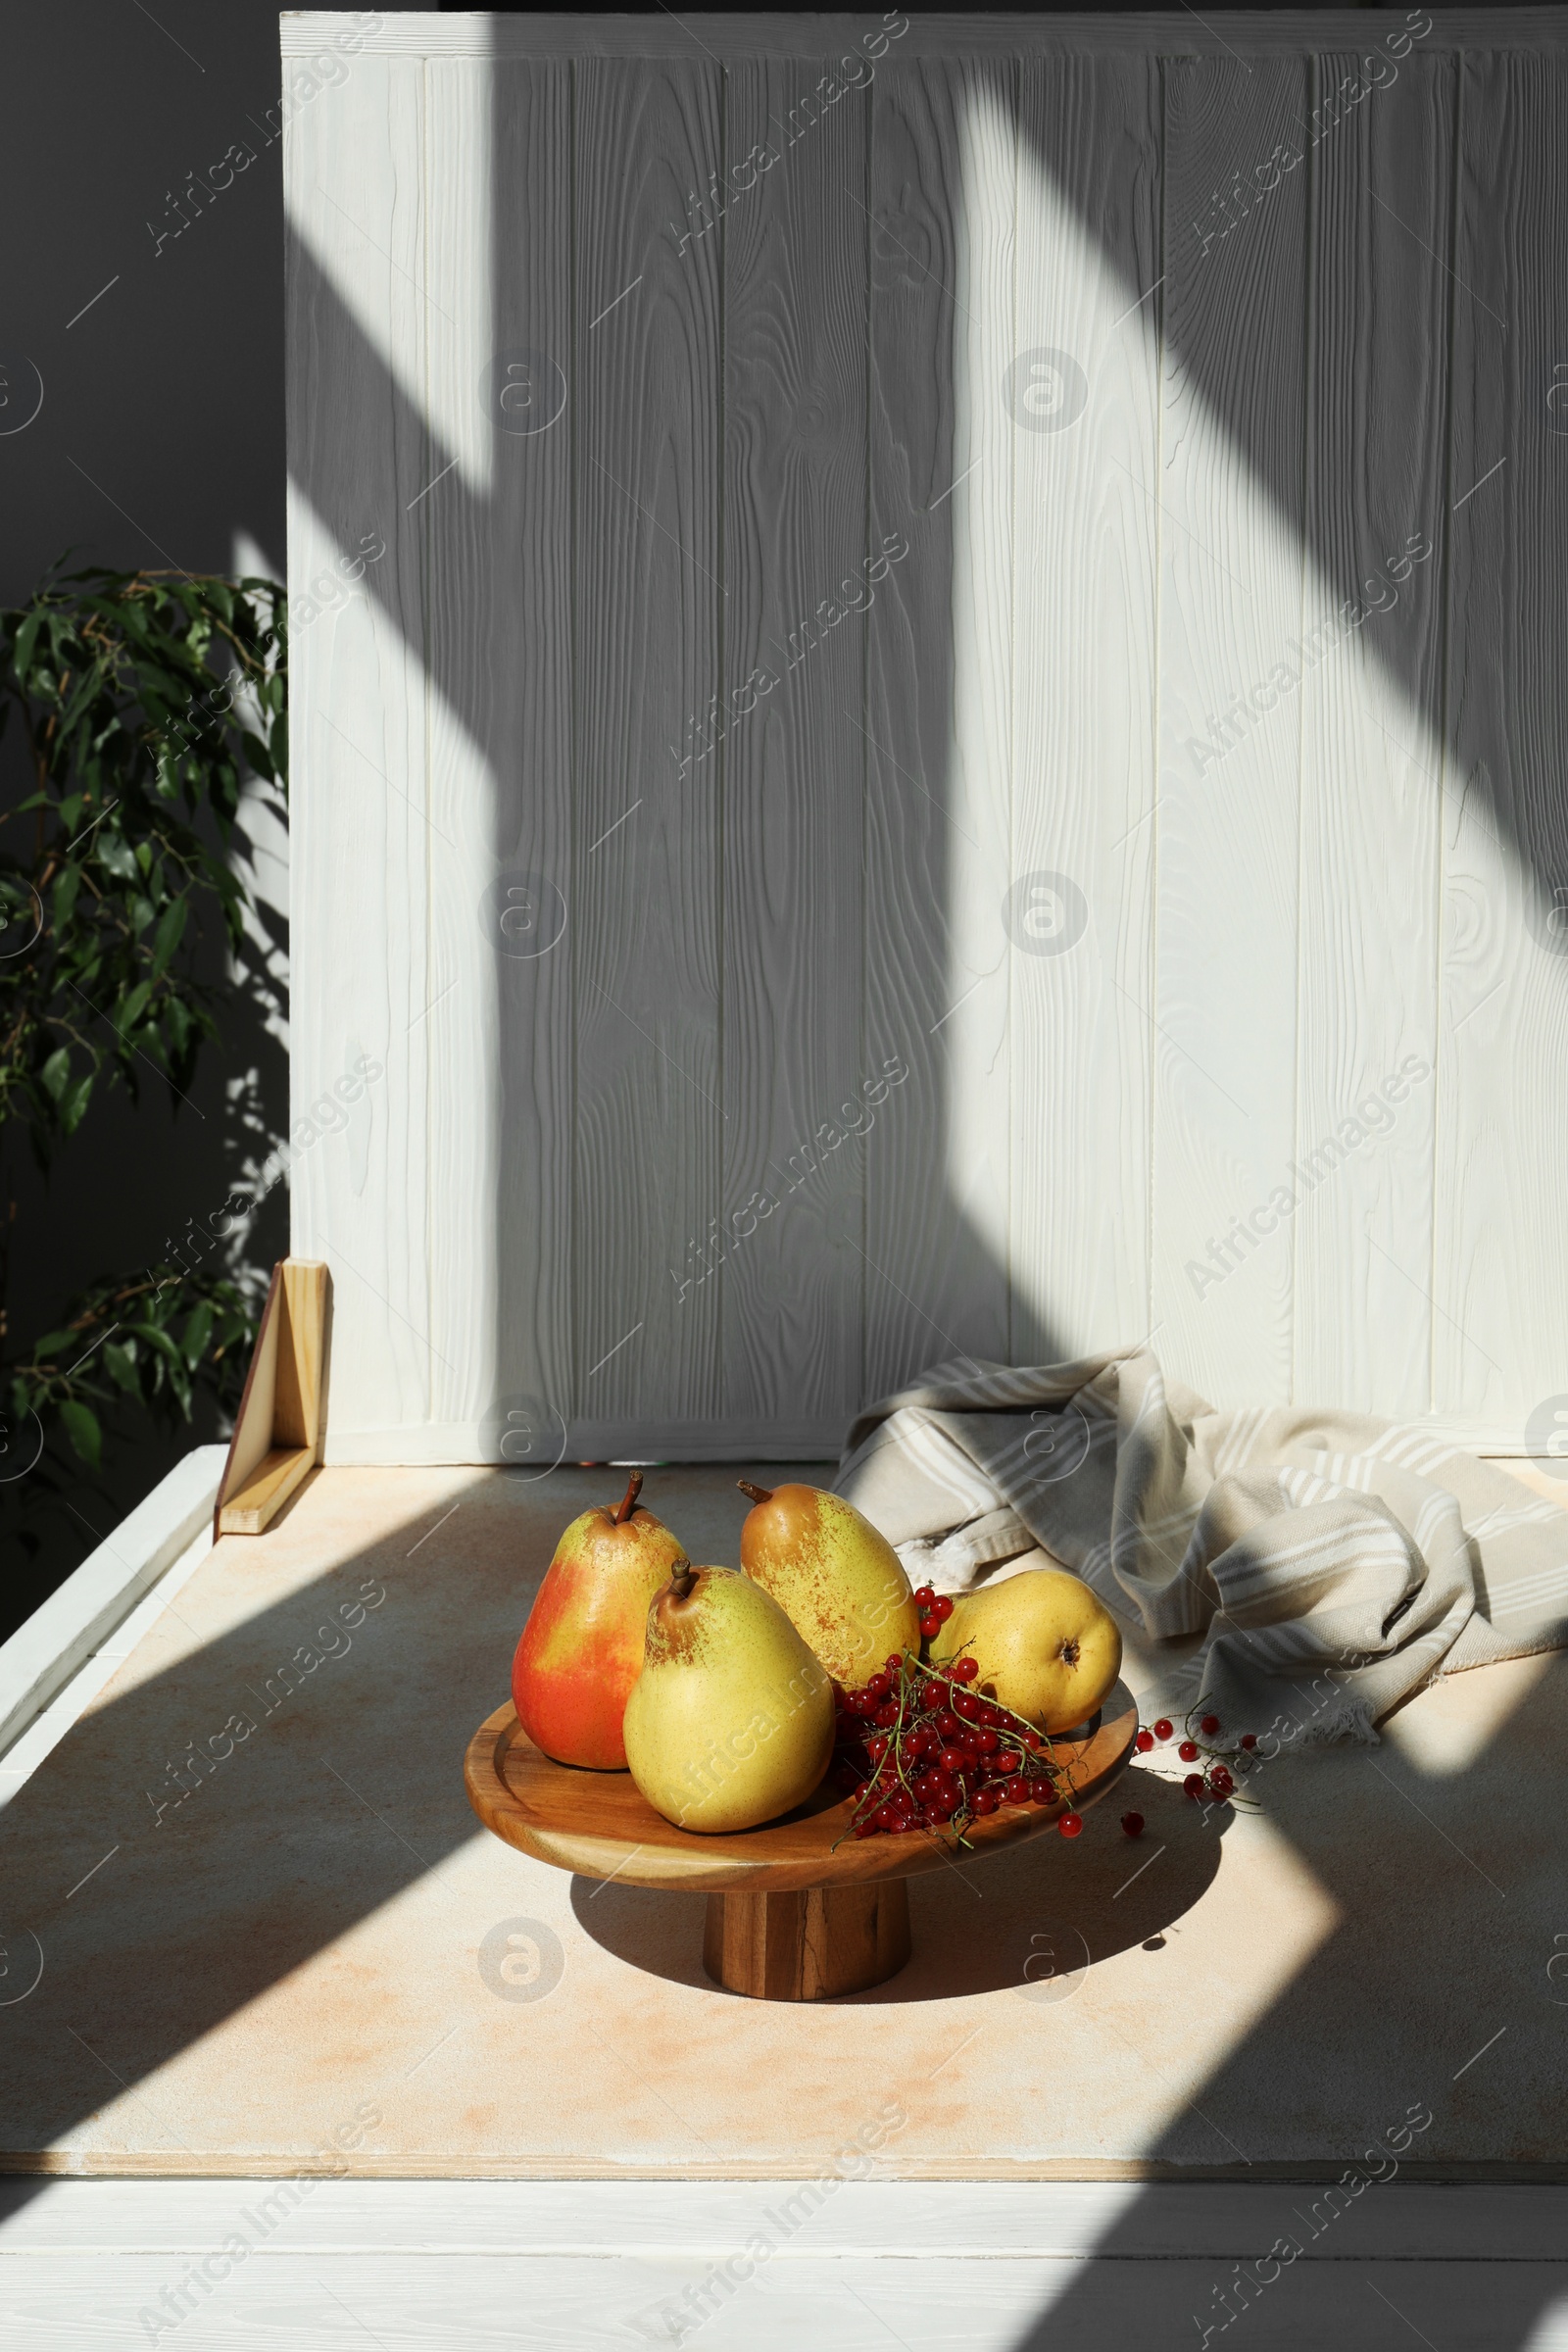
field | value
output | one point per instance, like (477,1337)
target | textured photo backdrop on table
(959,743)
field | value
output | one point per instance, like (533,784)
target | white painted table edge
(68,1630)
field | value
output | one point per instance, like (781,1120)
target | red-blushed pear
(1045,1645)
(731,1720)
(835,1576)
(582,1647)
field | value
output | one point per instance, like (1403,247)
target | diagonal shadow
(1354,2001)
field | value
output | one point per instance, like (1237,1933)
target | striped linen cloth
(1323,1552)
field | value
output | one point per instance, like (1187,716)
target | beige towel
(1335,1562)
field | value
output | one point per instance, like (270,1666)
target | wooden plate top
(600,1824)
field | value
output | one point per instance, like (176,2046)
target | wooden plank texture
(1231,600)
(1083,395)
(700,912)
(1043,2220)
(1499,1275)
(650,606)
(498,557)
(419,33)
(999,2304)
(793,753)
(941,276)
(357,450)
(1380,176)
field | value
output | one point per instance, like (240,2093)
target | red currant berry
(1220,1783)
(986,1800)
(967,1670)
(1209,1726)
(878,1687)
(953,1759)
(923,1597)
(888,1716)
(1194,1783)
(865,1829)
(986,1740)
(1249,1740)
(1042,1792)
(1070,1825)
(1146,1741)
(1188,1750)
(944,1607)
(965,1706)
(1017,1790)
(1133,1824)
(876,1748)
(930,1625)
(934,1818)
(895,1664)
(1163,1728)
(945,1725)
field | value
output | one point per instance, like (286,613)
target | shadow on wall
(797,1093)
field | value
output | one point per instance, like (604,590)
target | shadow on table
(1033,1919)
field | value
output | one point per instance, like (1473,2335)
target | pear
(730,1722)
(837,1577)
(1045,1645)
(582,1647)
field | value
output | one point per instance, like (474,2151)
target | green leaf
(55,1072)
(128,1011)
(27,639)
(121,1366)
(73,1103)
(171,927)
(81,1427)
(158,1338)
(65,889)
(198,1330)
(57,1343)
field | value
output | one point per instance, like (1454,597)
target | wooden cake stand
(791,1916)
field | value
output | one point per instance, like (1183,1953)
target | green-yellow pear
(1046,1648)
(836,1577)
(730,1722)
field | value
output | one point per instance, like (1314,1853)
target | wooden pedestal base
(808,1944)
(798,1909)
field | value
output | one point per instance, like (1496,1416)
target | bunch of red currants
(926,1752)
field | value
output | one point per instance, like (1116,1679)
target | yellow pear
(1046,1648)
(730,1722)
(836,1577)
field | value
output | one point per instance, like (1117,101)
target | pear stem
(628,1504)
(756,1493)
(682,1579)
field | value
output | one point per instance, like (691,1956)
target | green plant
(135,748)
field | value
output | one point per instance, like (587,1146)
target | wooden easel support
(277,1435)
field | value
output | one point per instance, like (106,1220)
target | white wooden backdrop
(866,505)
